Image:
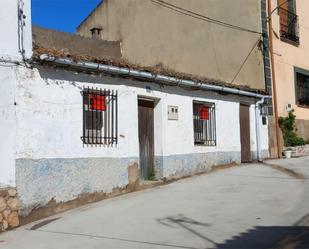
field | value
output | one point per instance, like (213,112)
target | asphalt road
(251,206)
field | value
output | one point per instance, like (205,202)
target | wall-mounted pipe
(146,75)
(257,127)
(273,74)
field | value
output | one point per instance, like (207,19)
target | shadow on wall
(259,237)
(60,76)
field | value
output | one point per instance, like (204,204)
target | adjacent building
(204,38)
(211,39)
(80,117)
(290,35)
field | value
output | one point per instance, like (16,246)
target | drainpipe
(271,51)
(257,127)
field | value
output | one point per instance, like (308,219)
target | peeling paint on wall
(53,164)
(62,180)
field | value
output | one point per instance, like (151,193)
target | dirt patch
(222,167)
(54,207)
(213,169)
(133,174)
(43,223)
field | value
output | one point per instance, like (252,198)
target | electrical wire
(246,59)
(21,32)
(211,20)
(201,17)
(8,63)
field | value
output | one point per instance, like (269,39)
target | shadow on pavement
(259,237)
(273,237)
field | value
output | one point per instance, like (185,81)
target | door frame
(152,104)
(248,139)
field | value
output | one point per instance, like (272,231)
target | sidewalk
(298,165)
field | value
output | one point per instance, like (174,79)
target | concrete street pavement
(250,206)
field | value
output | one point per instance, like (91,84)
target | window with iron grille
(302,87)
(204,123)
(289,23)
(100,113)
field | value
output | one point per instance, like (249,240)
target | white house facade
(72,128)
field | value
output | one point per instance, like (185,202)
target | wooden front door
(244,119)
(146,137)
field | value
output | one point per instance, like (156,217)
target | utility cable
(201,17)
(21,32)
(246,59)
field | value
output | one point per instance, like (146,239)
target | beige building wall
(286,58)
(153,35)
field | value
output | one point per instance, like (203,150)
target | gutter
(146,75)
(165,79)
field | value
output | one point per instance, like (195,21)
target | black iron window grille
(100,116)
(204,123)
(302,89)
(289,26)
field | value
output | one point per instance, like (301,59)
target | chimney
(96,32)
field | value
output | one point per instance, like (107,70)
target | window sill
(204,145)
(303,106)
(293,43)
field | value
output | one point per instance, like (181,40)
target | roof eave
(160,78)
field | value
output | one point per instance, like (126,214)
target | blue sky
(63,15)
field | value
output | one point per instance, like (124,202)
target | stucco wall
(9,30)
(8,122)
(9,54)
(287,57)
(52,163)
(64,105)
(151,35)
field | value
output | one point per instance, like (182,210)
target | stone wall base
(299,151)
(302,128)
(9,205)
